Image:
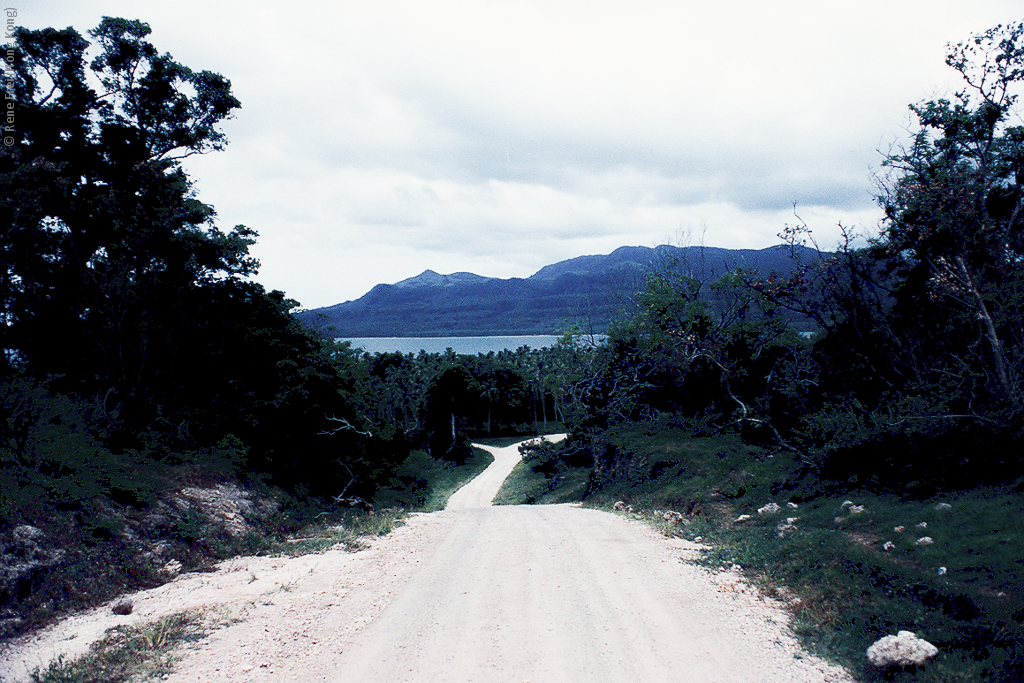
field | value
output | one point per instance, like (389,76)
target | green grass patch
(125,653)
(503,441)
(544,476)
(850,575)
(525,486)
(423,483)
(347,530)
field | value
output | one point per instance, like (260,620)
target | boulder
(904,649)
(619,505)
(769,509)
(672,516)
(226,505)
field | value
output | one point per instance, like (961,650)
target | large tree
(954,224)
(116,285)
(103,235)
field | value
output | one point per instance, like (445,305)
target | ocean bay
(460,345)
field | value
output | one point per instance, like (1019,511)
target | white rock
(924,540)
(856,509)
(743,518)
(921,525)
(899,529)
(783,529)
(904,649)
(792,506)
(172,568)
(846,503)
(943,506)
(619,505)
(888,545)
(769,509)
(837,520)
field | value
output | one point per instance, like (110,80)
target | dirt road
(520,593)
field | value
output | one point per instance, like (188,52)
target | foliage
(139,356)
(125,653)
(425,484)
(953,230)
(843,584)
(547,474)
(123,299)
(912,374)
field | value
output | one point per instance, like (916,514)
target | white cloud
(379,138)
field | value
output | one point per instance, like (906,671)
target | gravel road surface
(556,594)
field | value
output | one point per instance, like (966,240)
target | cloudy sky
(381,138)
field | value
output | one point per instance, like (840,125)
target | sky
(381,138)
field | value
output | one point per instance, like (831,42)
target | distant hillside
(589,290)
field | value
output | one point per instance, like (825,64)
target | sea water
(460,345)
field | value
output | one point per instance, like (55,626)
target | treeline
(137,351)
(912,378)
(133,337)
(440,402)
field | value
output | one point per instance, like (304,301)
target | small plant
(348,532)
(128,653)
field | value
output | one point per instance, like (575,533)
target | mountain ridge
(587,290)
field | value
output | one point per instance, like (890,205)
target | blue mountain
(589,291)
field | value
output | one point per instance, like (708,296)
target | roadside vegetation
(846,561)
(425,484)
(126,654)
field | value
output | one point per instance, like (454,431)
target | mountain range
(589,291)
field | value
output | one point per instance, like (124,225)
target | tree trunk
(996,346)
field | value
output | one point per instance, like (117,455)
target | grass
(129,653)
(424,484)
(845,584)
(348,531)
(525,486)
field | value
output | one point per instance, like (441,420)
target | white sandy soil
(555,594)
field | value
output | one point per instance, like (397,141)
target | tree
(104,236)
(953,208)
(116,284)
(449,405)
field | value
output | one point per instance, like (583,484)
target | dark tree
(117,286)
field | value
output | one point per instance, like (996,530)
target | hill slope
(590,290)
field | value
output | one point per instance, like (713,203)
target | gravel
(473,593)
